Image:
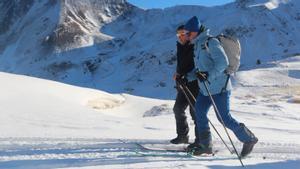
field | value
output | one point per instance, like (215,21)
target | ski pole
(184,88)
(222,121)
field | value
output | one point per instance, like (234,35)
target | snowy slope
(46,124)
(40,108)
(116,47)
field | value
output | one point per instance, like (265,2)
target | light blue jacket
(214,61)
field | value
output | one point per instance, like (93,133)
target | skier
(185,64)
(212,62)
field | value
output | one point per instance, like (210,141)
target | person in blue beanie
(211,63)
(185,64)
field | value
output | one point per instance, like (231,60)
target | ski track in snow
(50,153)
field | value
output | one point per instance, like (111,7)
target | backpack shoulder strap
(206,43)
(226,83)
(218,37)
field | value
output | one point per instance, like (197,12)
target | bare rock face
(76,21)
(79,19)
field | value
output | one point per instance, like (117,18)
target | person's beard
(182,43)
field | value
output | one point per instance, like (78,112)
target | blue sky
(146,4)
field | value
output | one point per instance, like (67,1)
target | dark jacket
(185,58)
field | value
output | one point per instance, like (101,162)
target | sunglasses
(184,33)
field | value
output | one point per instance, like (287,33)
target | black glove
(202,76)
(182,80)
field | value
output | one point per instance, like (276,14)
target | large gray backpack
(232,48)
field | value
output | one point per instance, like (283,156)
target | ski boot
(180,140)
(248,145)
(198,149)
(203,145)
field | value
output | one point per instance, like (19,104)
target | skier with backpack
(215,64)
(185,64)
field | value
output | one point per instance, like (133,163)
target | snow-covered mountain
(115,46)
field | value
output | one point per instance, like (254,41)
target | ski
(169,150)
(163,147)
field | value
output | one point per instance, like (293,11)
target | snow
(272,4)
(46,124)
(113,88)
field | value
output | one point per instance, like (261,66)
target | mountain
(117,47)
(34,32)
(114,46)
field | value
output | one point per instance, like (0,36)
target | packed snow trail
(49,153)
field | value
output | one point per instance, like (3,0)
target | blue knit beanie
(192,25)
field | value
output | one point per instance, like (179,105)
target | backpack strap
(206,45)
(226,84)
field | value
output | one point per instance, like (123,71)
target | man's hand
(182,80)
(202,76)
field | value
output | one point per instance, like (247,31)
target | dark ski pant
(222,101)
(180,106)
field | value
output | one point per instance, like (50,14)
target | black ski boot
(203,146)
(198,149)
(248,146)
(192,146)
(180,140)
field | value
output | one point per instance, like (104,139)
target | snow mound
(104,103)
(158,111)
